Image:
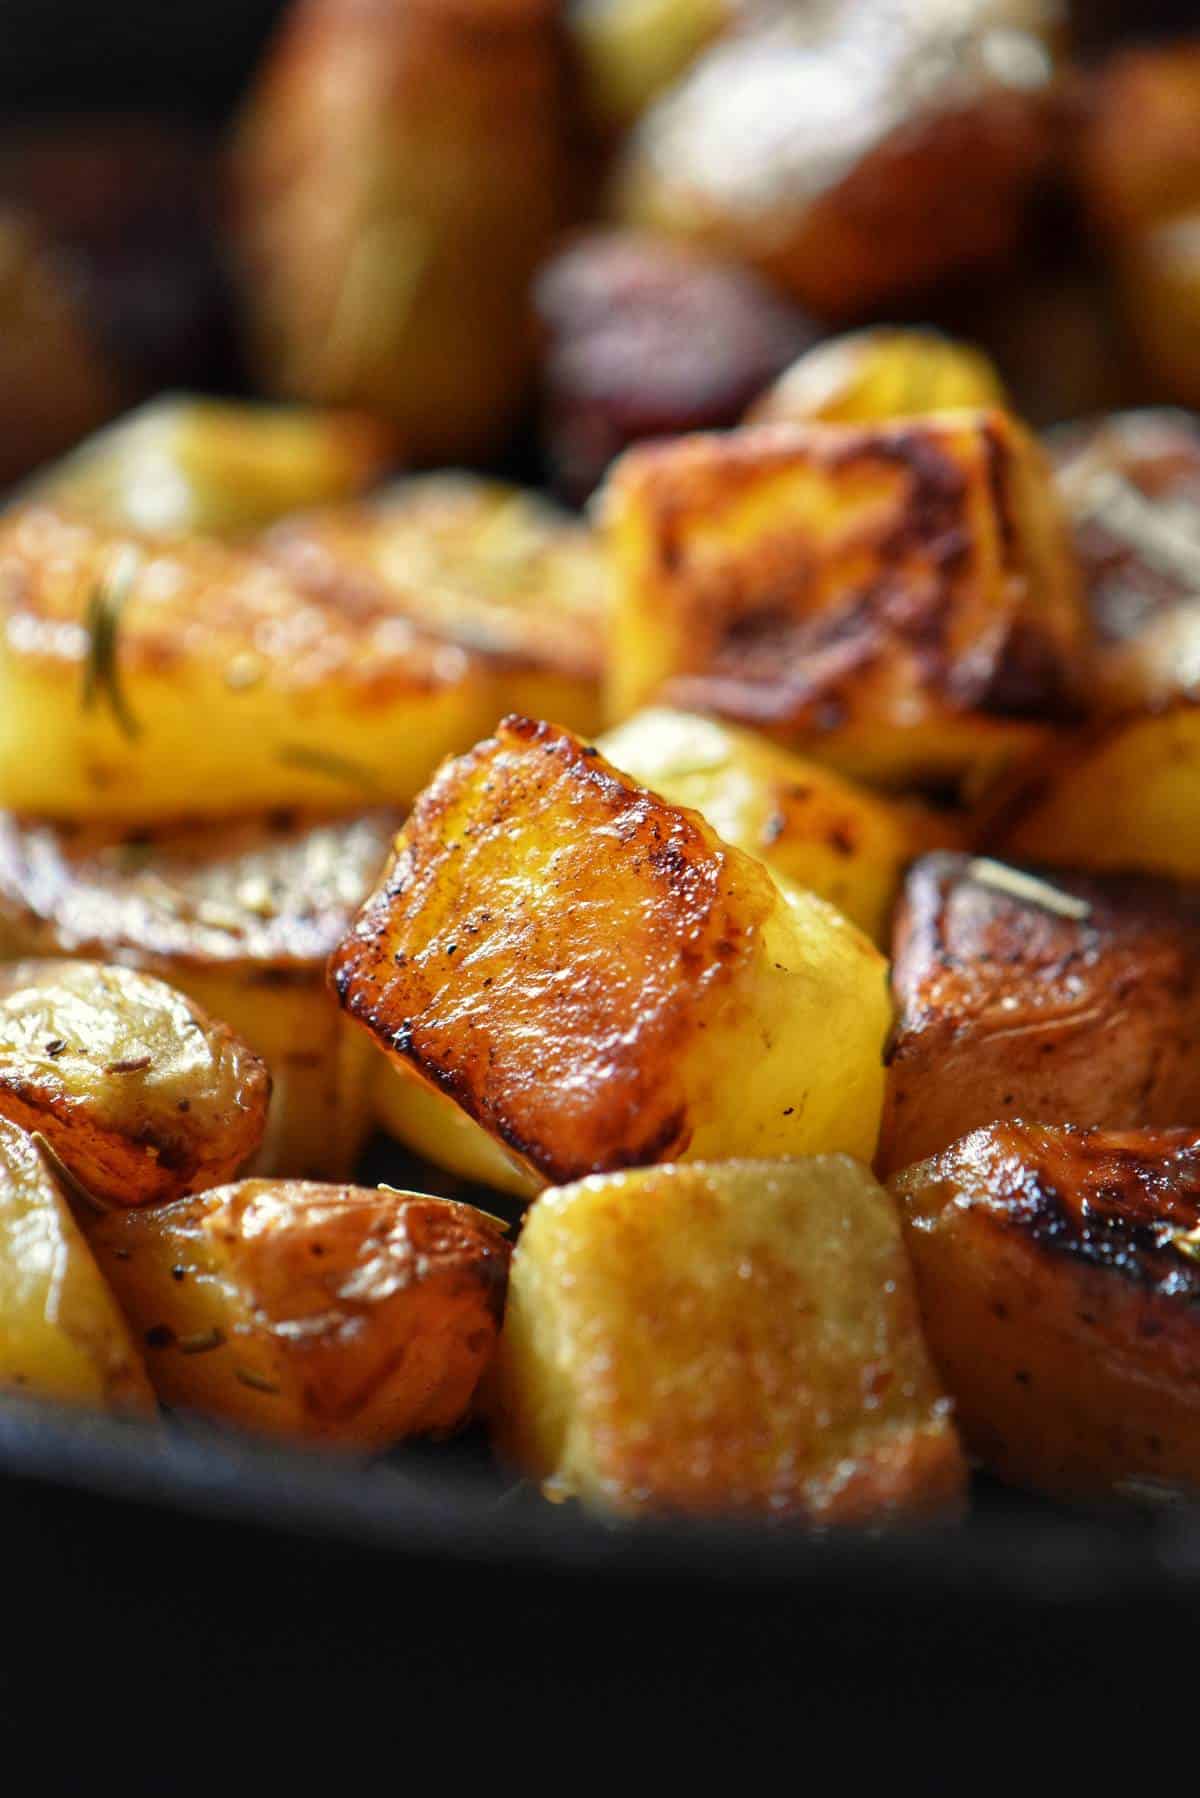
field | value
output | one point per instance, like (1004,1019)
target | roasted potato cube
(1139,149)
(333,1314)
(142,1096)
(1063,998)
(647,338)
(516,583)
(1122,796)
(56,380)
(241,915)
(1057,1276)
(217,467)
(852,153)
(724,1337)
(630,50)
(1130,484)
(399,176)
(592,974)
(812,826)
(896,598)
(880,373)
(146,677)
(62,1336)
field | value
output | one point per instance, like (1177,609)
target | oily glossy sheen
(898,597)
(62,1336)
(1056,997)
(142,1095)
(711,1339)
(1060,1288)
(327,1313)
(599,981)
(881,372)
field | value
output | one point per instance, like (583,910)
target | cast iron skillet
(168,1587)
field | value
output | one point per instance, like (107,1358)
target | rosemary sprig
(101,673)
(323,761)
(1003,879)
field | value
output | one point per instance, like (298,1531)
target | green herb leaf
(101,674)
(322,761)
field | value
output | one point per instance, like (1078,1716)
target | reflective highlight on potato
(710,1339)
(330,1314)
(880,373)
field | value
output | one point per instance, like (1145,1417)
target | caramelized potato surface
(897,598)
(324,1313)
(878,373)
(1058,1282)
(147,677)
(648,338)
(1055,997)
(601,982)
(142,1095)
(724,1338)
(219,467)
(399,175)
(241,915)
(62,1335)
(514,582)
(852,152)
(1130,484)
(809,824)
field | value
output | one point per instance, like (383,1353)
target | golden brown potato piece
(1059,998)
(332,1314)
(1139,150)
(1058,1280)
(878,373)
(600,982)
(724,1338)
(809,824)
(1130,484)
(148,677)
(399,177)
(219,467)
(855,153)
(62,1335)
(518,585)
(241,915)
(142,1095)
(56,381)
(897,598)
(647,338)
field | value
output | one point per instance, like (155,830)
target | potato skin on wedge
(1059,1285)
(147,677)
(715,1339)
(240,915)
(331,1314)
(600,982)
(897,598)
(62,1335)
(142,1095)
(1046,996)
(811,825)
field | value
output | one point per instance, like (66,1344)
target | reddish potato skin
(645,338)
(1062,1313)
(1007,1008)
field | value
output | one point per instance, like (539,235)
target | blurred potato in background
(881,372)
(398,176)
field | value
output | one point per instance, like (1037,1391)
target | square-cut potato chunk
(503,573)
(326,1313)
(241,915)
(898,598)
(810,824)
(62,1335)
(723,1338)
(142,1095)
(145,677)
(1055,997)
(600,982)
(1058,1278)
(185,463)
